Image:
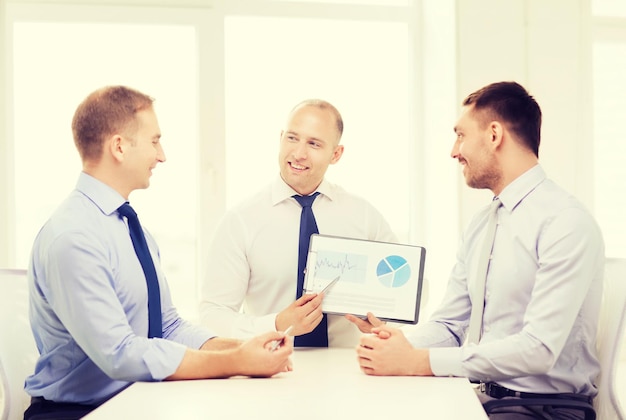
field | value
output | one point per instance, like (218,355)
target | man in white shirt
(544,280)
(250,285)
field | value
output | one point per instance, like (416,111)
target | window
(378,67)
(55,65)
(608,8)
(348,63)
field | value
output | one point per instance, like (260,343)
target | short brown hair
(105,112)
(511,103)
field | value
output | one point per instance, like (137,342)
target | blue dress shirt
(88,304)
(542,295)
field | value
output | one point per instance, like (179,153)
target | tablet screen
(379,277)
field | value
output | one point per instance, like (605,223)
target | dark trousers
(42,409)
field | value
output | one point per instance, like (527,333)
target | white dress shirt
(542,296)
(253,259)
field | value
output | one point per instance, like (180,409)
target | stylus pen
(328,286)
(331,284)
(276,343)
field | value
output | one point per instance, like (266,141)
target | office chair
(610,339)
(611,329)
(18,352)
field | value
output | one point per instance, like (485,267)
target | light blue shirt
(88,304)
(542,295)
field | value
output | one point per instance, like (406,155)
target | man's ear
(497,132)
(337,153)
(115,145)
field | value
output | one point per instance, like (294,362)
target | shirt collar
(281,191)
(523,185)
(103,196)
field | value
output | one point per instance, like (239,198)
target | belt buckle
(493,390)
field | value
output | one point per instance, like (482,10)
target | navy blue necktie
(319,336)
(155,325)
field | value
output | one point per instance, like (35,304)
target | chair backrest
(611,330)
(18,352)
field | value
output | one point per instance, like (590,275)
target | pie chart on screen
(393,271)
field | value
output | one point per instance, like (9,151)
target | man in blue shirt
(543,284)
(88,295)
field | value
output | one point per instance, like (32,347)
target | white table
(325,384)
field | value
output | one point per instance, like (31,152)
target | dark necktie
(478,304)
(155,326)
(319,336)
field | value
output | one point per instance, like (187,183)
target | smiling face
(142,149)
(308,144)
(474,151)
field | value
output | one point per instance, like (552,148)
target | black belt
(496,391)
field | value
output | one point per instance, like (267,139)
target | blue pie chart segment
(393,271)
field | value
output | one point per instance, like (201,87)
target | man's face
(308,145)
(144,151)
(472,150)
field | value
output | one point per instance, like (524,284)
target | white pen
(331,284)
(276,343)
(328,286)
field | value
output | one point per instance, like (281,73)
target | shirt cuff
(163,358)
(446,361)
(265,323)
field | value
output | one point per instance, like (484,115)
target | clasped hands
(387,352)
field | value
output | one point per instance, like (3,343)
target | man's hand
(387,352)
(304,315)
(256,357)
(365,325)
(225,357)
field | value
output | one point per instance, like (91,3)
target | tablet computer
(379,277)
